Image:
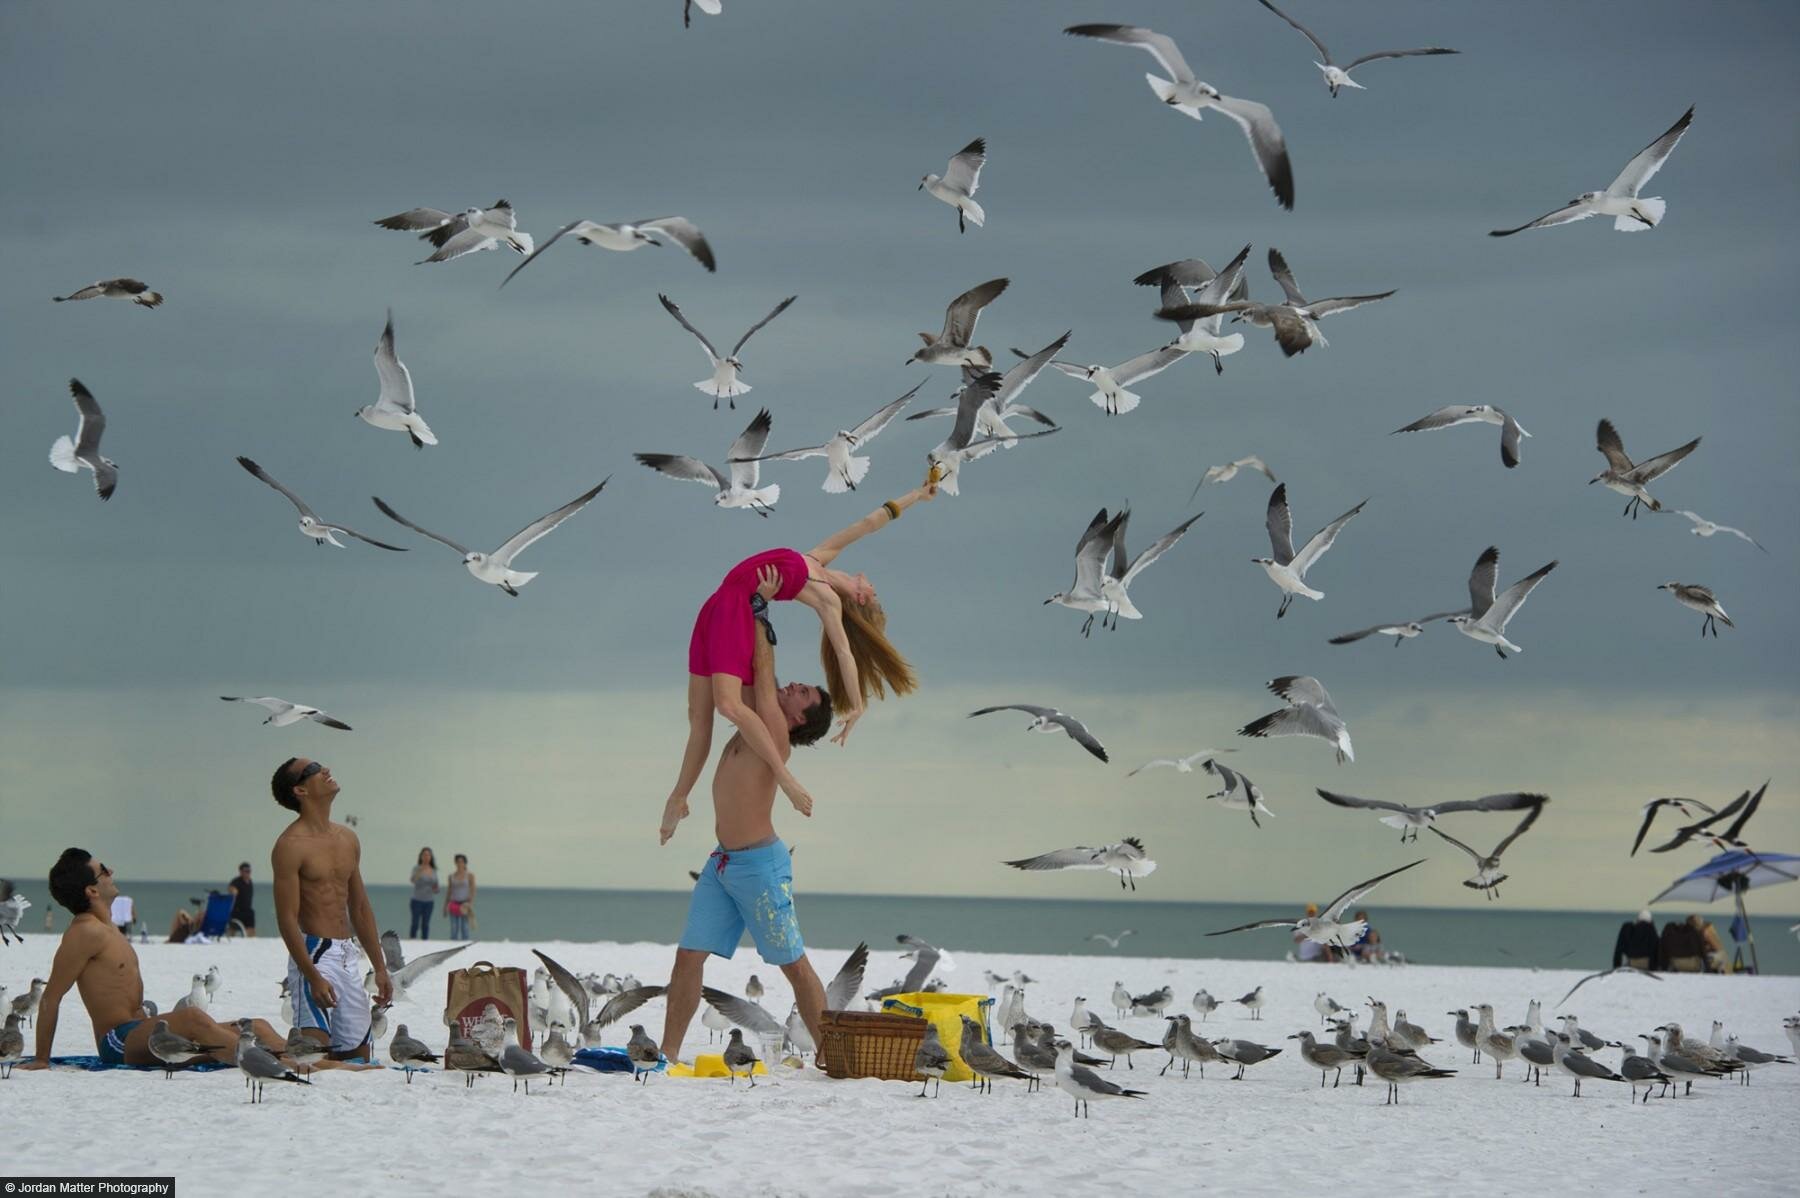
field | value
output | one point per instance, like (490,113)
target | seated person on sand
(1368,945)
(97,959)
(1310,950)
(319,897)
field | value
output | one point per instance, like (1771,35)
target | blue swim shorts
(112,1045)
(746,888)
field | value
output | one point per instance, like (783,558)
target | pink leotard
(723,640)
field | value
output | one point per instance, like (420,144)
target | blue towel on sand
(611,1060)
(95,1065)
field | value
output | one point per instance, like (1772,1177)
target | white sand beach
(1276,1132)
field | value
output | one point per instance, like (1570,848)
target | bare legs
(683,998)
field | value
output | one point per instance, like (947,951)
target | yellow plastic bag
(709,1064)
(945,1012)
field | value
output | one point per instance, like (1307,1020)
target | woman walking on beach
(425,887)
(857,657)
(459,903)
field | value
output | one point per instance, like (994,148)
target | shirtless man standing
(319,896)
(97,959)
(748,879)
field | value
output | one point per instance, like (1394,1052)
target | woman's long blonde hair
(879,666)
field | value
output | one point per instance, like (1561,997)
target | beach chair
(217,923)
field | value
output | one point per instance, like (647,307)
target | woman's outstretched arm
(828,549)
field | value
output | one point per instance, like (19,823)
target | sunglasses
(311,769)
(101,871)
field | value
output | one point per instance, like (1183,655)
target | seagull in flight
(1188,95)
(282,713)
(1229,471)
(395,407)
(1488,613)
(632,235)
(1050,720)
(1202,335)
(1295,322)
(1237,792)
(724,383)
(1329,926)
(496,568)
(965,442)
(1481,413)
(1115,582)
(319,530)
(467,232)
(1702,600)
(711,8)
(71,454)
(1400,632)
(739,489)
(1411,819)
(1687,807)
(1181,765)
(957,185)
(1620,200)
(1625,477)
(843,470)
(1113,941)
(1339,77)
(951,347)
(1742,807)
(1487,869)
(132,289)
(1127,859)
(1084,594)
(1110,395)
(1287,569)
(991,415)
(1309,713)
(1605,973)
(1706,528)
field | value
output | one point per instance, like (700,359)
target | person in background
(1679,948)
(425,887)
(459,902)
(124,914)
(1712,949)
(185,924)
(1309,950)
(242,890)
(1636,945)
(1368,945)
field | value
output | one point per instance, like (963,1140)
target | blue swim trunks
(746,888)
(112,1045)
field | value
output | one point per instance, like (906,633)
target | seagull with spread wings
(1411,819)
(1229,471)
(1622,476)
(1687,807)
(1287,569)
(395,408)
(282,713)
(1295,322)
(1337,77)
(843,469)
(966,442)
(1489,613)
(631,235)
(1236,792)
(957,185)
(72,454)
(470,231)
(1487,868)
(1630,212)
(1202,334)
(1050,720)
(1110,382)
(1084,594)
(1702,527)
(1181,765)
(739,489)
(1127,858)
(951,347)
(1189,96)
(1603,974)
(1309,713)
(310,525)
(991,415)
(1449,417)
(1115,582)
(132,289)
(1742,807)
(1329,926)
(496,568)
(724,383)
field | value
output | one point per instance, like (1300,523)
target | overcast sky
(234,159)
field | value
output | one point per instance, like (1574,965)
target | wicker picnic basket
(863,1044)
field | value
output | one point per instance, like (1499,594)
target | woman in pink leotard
(858,660)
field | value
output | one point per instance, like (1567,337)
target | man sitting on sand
(748,879)
(319,895)
(97,958)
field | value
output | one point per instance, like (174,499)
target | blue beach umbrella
(1732,873)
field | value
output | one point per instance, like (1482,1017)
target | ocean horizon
(1499,936)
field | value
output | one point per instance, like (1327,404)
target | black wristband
(758,604)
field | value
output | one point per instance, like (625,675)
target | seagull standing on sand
(1082,1083)
(1295,323)
(1287,569)
(1253,1001)
(1481,413)
(1309,713)
(171,1048)
(843,469)
(1397,1070)
(931,1060)
(259,1065)
(738,1055)
(1329,926)
(71,454)
(1244,1053)
(395,408)
(1411,819)
(310,525)
(1578,1065)
(12,1046)
(1487,869)
(724,383)
(1620,200)
(631,235)
(1188,96)
(1203,334)
(468,232)
(1622,476)
(984,1060)
(1326,1058)
(131,289)
(1127,859)
(1118,1044)
(1327,1007)
(1206,1004)
(1702,600)
(1050,720)
(642,1052)
(409,1053)
(1339,77)
(516,1062)
(282,713)
(496,568)
(1488,613)
(739,489)
(957,186)
(951,347)
(1110,395)
(1706,528)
